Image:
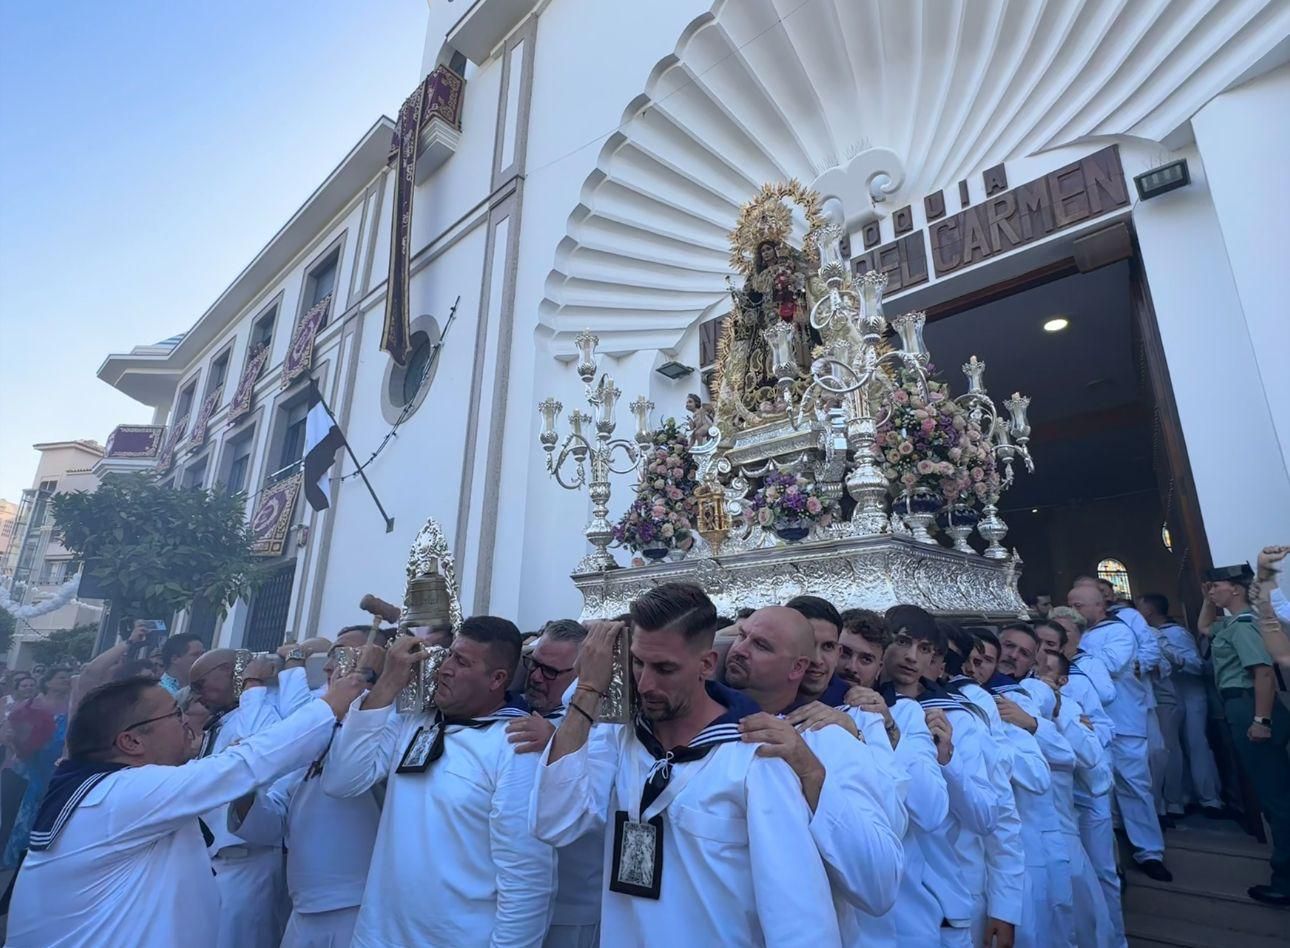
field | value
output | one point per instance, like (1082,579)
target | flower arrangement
(930,446)
(664,509)
(786,499)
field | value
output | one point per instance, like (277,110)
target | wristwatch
(1262,722)
(297,654)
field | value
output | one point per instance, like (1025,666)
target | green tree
(7,624)
(155,550)
(64,645)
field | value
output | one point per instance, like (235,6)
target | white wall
(1244,142)
(1238,466)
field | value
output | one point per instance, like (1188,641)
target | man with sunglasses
(548,672)
(117,855)
(251,879)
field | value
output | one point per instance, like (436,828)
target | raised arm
(260,817)
(160,798)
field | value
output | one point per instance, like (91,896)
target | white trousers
(1093,923)
(1193,750)
(1035,928)
(252,890)
(1157,759)
(1061,901)
(956,938)
(1133,797)
(1098,839)
(334,929)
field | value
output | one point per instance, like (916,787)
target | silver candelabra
(1009,439)
(595,451)
(856,375)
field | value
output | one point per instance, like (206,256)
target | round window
(414,373)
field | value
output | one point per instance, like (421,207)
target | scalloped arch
(768,90)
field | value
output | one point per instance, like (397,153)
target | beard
(737,674)
(658,707)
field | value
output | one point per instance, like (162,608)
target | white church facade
(585,175)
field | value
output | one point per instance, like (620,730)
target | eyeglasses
(177,713)
(198,683)
(548,672)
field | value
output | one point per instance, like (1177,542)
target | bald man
(251,879)
(857,819)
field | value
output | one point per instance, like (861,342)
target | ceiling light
(1056,324)
(1034,510)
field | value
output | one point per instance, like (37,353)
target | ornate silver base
(855,572)
(918,522)
(960,532)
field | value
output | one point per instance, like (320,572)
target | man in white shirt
(117,855)
(954,854)
(293,688)
(1048,911)
(708,836)
(1109,640)
(1092,796)
(329,840)
(856,819)
(1183,709)
(177,656)
(549,672)
(251,879)
(453,865)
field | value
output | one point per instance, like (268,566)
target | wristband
(582,712)
(594,691)
(1263,722)
(247,681)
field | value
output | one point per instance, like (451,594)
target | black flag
(323,439)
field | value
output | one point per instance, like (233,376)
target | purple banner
(244,396)
(272,517)
(300,357)
(204,413)
(135,441)
(438,96)
(167,455)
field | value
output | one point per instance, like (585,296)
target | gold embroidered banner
(272,517)
(204,413)
(244,395)
(300,357)
(167,456)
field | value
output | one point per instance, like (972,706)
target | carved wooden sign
(1072,194)
(1005,220)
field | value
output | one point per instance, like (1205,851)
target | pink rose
(899,397)
(659,511)
(928,426)
(956,454)
(977,474)
(813,506)
(924,466)
(674,493)
(909,480)
(906,448)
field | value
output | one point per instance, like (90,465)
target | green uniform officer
(1260,725)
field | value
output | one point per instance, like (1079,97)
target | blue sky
(147,151)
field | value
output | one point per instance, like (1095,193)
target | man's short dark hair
(564,630)
(984,636)
(500,635)
(102,714)
(682,607)
(177,645)
(1019,626)
(918,624)
(1062,635)
(867,624)
(1063,664)
(354,628)
(813,607)
(743,612)
(1159,602)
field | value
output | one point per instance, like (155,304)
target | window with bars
(320,282)
(1115,573)
(270,603)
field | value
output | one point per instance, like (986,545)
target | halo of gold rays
(767,217)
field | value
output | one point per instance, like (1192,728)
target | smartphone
(314,674)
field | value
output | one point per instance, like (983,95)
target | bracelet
(582,687)
(582,712)
(247,681)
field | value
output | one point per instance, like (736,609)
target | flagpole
(389,521)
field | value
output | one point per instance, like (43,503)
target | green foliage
(64,645)
(157,550)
